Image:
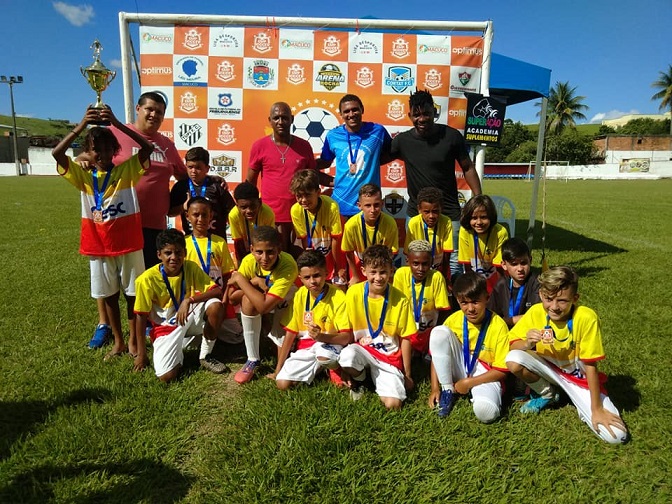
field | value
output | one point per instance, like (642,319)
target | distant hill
(39,127)
(584,129)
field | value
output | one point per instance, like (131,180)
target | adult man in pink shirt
(278,157)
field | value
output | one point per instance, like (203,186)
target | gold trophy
(98,76)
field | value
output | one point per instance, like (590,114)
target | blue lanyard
(98,195)
(417,305)
(469,364)
(183,288)
(267,278)
(375,231)
(514,309)
(204,264)
(310,232)
(433,239)
(374,334)
(319,298)
(570,326)
(192,189)
(353,155)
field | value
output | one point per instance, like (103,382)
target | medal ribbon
(570,326)
(204,264)
(476,252)
(99,194)
(319,298)
(353,156)
(433,239)
(183,288)
(310,232)
(374,334)
(192,189)
(470,364)
(514,308)
(417,305)
(375,231)
(247,229)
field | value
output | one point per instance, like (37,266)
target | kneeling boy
(318,318)
(469,352)
(180,301)
(568,343)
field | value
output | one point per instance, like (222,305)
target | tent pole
(537,172)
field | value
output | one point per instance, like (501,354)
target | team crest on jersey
(399,78)
(364,77)
(262,43)
(224,100)
(261,74)
(395,110)
(400,48)
(394,202)
(464,77)
(332,46)
(188,103)
(190,133)
(226,134)
(296,74)
(225,72)
(432,79)
(192,40)
(330,76)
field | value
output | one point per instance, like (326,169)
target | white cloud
(78,15)
(116,63)
(612,114)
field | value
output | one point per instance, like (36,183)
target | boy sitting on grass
(382,324)
(469,352)
(248,214)
(180,301)
(568,342)
(369,227)
(317,321)
(262,285)
(111,229)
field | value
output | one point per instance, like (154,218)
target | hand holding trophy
(99,78)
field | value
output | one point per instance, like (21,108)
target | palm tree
(564,108)
(664,83)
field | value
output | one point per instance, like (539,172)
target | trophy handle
(111,77)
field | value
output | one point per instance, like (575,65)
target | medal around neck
(99,78)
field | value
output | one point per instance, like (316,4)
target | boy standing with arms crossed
(382,332)
(568,342)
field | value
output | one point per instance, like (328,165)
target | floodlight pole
(11,81)
(537,172)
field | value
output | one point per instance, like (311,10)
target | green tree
(664,84)
(514,134)
(524,153)
(645,126)
(564,108)
(571,146)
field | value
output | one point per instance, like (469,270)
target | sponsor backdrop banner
(485,119)
(220,81)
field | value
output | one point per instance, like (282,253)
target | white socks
(251,333)
(206,347)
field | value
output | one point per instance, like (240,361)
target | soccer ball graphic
(312,124)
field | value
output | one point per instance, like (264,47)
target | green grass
(76,429)
(39,127)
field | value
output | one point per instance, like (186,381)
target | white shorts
(277,333)
(109,272)
(168,349)
(389,380)
(303,365)
(579,396)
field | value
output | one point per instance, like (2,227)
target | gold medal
(353,168)
(98,216)
(547,335)
(307,318)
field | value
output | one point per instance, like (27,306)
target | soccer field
(76,429)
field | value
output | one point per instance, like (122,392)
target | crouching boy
(568,343)
(180,301)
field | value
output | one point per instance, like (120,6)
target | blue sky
(610,49)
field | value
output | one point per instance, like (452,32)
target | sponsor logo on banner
(332,46)
(364,77)
(394,202)
(224,105)
(188,103)
(224,100)
(191,69)
(464,80)
(156,71)
(399,78)
(457,113)
(464,77)
(437,110)
(400,48)
(226,134)
(225,41)
(468,51)
(225,71)
(395,110)
(261,74)
(190,133)
(296,74)
(192,40)
(330,76)
(157,37)
(262,43)
(224,165)
(485,119)
(296,44)
(395,174)
(365,47)
(432,49)
(432,79)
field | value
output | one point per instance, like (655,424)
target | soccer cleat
(356,390)
(335,377)
(101,336)
(213,365)
(445,403)
(247,372)
(537,403)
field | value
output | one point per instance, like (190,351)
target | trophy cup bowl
(99,77)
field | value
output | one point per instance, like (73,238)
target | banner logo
(399,78)
(365,47)
(190,133)
(330,76)
(192,40)
(432,79)
(224,165)
(332,46)
(464,77)
(190,69)
(225,41)
(400,48)
(225,71)
(364,77)
(296,74)
(395,110)
(394,202)
(261,74)
(224,100)
(312,124)
(262,43)
(226,134)
(188,103)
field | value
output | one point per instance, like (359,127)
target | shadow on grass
(561,239)
(623,392)
(18,418)
(141,480)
